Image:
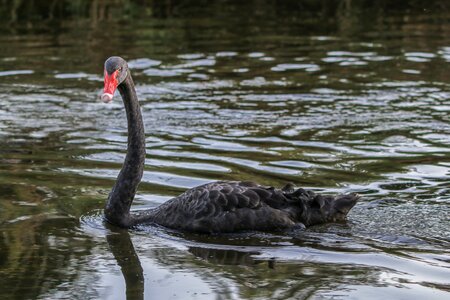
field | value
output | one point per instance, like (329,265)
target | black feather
(228,206)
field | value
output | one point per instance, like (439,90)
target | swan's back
(230,206)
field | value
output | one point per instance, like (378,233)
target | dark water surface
(336,99)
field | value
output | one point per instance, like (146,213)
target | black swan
(224,206)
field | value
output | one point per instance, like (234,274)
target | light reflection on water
(331,113)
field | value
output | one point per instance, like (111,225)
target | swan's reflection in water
(122,248)
(237,270)
(229,257)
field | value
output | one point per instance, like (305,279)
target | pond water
(339,98)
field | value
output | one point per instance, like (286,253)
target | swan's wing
(230,206)
(225,207)
(230,196)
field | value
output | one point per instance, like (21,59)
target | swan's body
(225,206)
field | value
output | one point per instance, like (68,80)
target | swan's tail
(343,203)
(316,208)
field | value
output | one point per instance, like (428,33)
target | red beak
(111,84)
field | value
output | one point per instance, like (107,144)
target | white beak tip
(106,97)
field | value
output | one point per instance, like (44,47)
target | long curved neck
(117,210)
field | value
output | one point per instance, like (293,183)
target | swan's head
(116,70)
